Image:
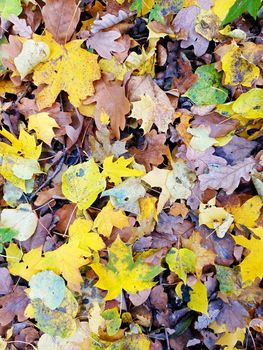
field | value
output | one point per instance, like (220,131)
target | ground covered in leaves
(131,169)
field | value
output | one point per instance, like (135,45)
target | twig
(49,178)
(167,339)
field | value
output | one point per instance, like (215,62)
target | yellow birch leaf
(118,169)
(81,230)
(248,213)
(43,125)
(109,218)
(251,266)
(69,68)
(82,183)
(198,298)
(237,69)
(122,272)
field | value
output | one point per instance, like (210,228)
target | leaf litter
(131,174)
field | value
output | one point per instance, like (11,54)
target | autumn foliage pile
(131,171)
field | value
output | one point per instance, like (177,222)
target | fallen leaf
(216,218)
(20,27)
(203,255)
(248,213)
(237,69)
(83,183)
(81,230)
(110,98)
(43,125)
(122,272)
(198,298)
(31,55)
(48,287)
(185,21)
(10,7)
(126,195)
(104,43)
(61,18)
(152,152)
(227,177)
(22,219)
(79,66)
(118,169)
(180,180)
(207,90)
(60,321)
(13,305)
(181,261)
(150,103)
(250,266)
(109,218)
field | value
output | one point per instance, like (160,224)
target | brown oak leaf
(61,18)
(153,150)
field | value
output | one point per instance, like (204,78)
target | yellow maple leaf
(81,230)
(82,183)
(19,160)
(109,218)
(248,213)
(237,69)
(29,264)
(122,272)
(69,68)
(112,66)
(65,260)
(24,146)
(231,338)
(43,125)
(118,169)
(251,266)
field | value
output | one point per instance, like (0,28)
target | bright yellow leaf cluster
(19,160)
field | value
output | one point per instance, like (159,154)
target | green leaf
(207,90)
(241,6)
(10,7)
(6,236)
(181,261)
(48,287)
(114,320)
(155,14)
